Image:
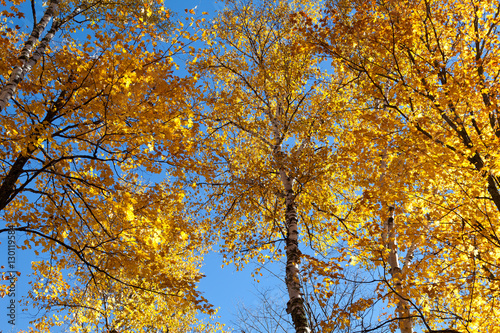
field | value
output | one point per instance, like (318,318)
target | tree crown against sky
(364,132)
(92,111)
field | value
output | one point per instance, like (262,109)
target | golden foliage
(84,141)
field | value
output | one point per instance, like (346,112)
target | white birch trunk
(26,60)
(295,305)
(403,306)
(389,241)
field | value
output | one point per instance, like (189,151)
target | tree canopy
(354,142)
(92,111)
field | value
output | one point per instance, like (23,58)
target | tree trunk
(295,305)
(26,60)
(403,307)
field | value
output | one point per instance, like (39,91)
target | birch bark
(403,307)
(389,240)
(295,305)
(26,60)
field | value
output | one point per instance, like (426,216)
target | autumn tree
(429,72)
(63,15)
(269,170)
(89,121)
